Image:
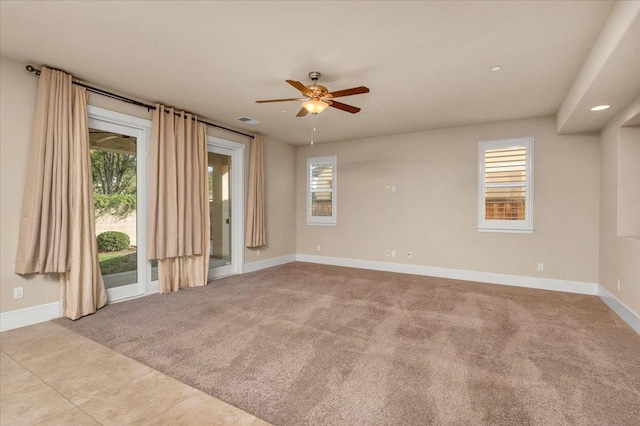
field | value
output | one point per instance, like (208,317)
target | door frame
(139,128)
(236,151)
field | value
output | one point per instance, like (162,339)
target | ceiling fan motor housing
(317,90)
(314,75)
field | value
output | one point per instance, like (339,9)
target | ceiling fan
(317,98)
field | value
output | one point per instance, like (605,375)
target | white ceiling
(427,63)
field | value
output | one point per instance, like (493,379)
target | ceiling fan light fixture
(315,106)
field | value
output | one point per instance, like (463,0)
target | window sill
(321,224)
(507,231)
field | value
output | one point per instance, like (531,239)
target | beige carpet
(310,344)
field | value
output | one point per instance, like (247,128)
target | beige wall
(280,202)
(619,250)
(18,94)
(434,213)
(629,182)
(17,104)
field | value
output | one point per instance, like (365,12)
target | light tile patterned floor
(52,376)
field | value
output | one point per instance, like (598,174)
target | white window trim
(511,226)
(323,220)
(237,204)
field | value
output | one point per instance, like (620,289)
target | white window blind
(321,186)
(505,196)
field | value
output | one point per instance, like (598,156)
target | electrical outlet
(393,253)
(388,188)
(540,266)
(618,284)
(318,247)
(387,253)
(409,255)
(18,292)
(394,188)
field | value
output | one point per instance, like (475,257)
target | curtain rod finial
(33,69)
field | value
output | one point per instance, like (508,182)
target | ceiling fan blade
(301,87)
(349,92)
(343,107)
(278,100)
(302,112)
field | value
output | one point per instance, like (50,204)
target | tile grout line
(76,405)
(164,411)
(152,371)
(117,354)
(44,383)
(96,396)
(87,414)
(53,389)
(144,375)
(31,372)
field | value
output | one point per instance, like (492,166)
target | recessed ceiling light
(283,110)
(600,107)
(496,68)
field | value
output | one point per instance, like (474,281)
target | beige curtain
(256,235)
(57,229)
(178,225)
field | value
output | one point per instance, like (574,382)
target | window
(321,190)
(505,185)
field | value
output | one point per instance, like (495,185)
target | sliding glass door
(119,167)
(119,162)
(114,169)
(220,210)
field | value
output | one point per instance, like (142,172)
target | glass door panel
(114,170)
(219,181)
(219,170)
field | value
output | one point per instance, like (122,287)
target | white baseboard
(622,310)
(457,274)
(41,313)
(268,263)
(29,316)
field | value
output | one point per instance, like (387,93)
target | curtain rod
(36,71)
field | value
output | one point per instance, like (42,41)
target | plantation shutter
(321,189)
(321,202)
(505,185)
